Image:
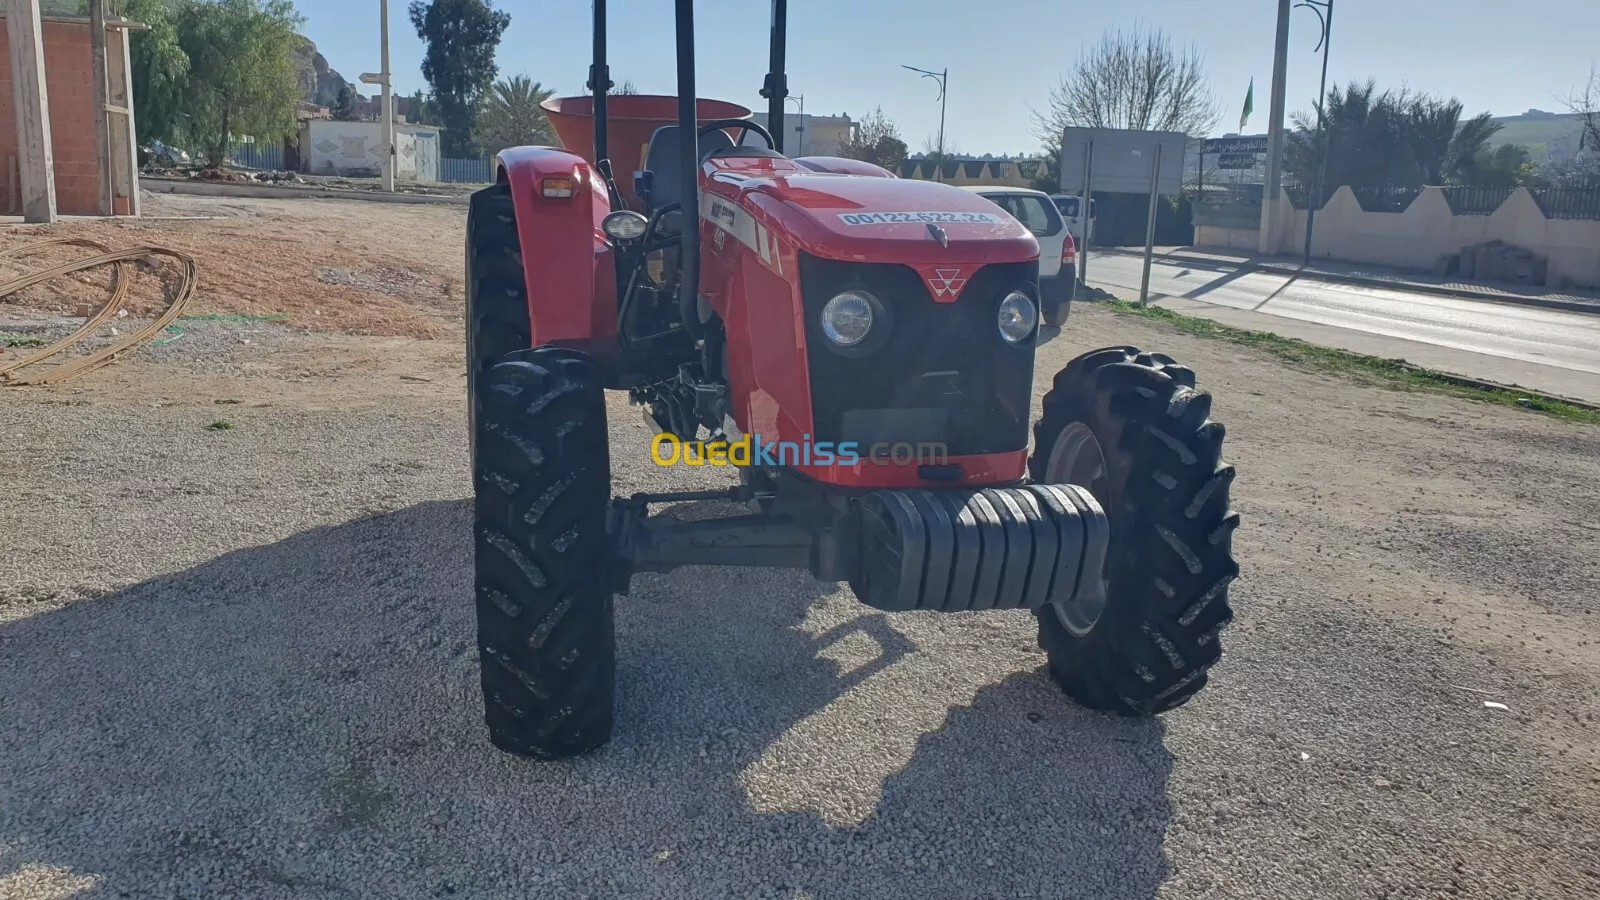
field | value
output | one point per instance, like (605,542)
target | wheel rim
(1077,458)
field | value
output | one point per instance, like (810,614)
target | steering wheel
(742,124)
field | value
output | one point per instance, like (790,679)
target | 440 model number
(883,218)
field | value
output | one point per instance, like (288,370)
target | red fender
(566,259)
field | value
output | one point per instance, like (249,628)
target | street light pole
(1324,11)
(800,99)
(1270,226)
(386,105)
(943,80)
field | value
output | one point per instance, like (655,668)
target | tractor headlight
(848,317)
(1018,316)
(624,225)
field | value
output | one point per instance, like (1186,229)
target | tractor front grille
(944,376)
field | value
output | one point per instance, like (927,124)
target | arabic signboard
(1257,144)
(1236,161)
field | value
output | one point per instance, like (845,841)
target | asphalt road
(1545,349)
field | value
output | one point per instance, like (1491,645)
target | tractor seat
(662,161)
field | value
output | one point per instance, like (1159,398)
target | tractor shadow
(302,719)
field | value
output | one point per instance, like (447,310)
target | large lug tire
(1131,427)
(497,319)
(545,632)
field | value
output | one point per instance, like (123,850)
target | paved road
(1544,349)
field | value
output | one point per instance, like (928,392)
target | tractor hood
(872,219)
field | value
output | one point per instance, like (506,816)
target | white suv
(1058,252)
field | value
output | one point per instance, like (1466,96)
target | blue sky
(844,55)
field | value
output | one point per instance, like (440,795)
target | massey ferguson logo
(946,282)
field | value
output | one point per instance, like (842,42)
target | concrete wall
(70,88)
(1426,230)
(328,147)
(1227,238)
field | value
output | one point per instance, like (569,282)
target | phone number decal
(882,218)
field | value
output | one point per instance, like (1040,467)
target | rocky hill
(320,83)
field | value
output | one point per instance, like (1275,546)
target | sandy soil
(352,267)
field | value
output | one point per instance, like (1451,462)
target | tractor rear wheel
(1131,428)
(497,291)
(543,480)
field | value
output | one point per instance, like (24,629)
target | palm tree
(1391,138)
(509,115)
(1444,146)
(1366,140)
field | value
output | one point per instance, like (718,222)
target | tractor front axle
(950,550)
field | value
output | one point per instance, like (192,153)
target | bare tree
(930,148)
(1132,79)
(875,139)
(1585,102)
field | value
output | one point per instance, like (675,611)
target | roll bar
(775,88)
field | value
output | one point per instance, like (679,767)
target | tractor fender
(566,259)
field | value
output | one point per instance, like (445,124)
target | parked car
(1069,206)
(1058,252)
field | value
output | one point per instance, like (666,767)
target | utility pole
(102,99)
(386,105)
(1324,11)
(1274,186)
(943,80)
(800,99)
(1150,227)
(1085,212)
(36,160)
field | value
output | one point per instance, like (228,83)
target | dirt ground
(325,265)
(239,659)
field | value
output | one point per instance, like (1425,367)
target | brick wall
(70,87)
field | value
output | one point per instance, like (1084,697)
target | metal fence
(247,156)
(1569,202)
(1471,200)
(471,171)
(1385,198)
(1227,205)
(1300,195)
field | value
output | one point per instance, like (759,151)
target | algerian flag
(1249,105)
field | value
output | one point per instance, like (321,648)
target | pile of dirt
(324,265)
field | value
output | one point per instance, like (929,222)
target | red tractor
(866,345)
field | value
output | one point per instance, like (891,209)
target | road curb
(1466,381)
(279,192)
(1407,286)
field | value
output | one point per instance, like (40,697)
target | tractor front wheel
(1131,428)
(543,479)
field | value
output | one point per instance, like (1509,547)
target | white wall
(328,147)
(1427,229)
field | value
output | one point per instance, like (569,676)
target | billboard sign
(1257,144)
(1121,159)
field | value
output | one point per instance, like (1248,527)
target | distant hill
(1545,134)
(319,82)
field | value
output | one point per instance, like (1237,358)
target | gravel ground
(239,662)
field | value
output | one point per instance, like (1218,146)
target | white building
(809,135)
(329,147)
